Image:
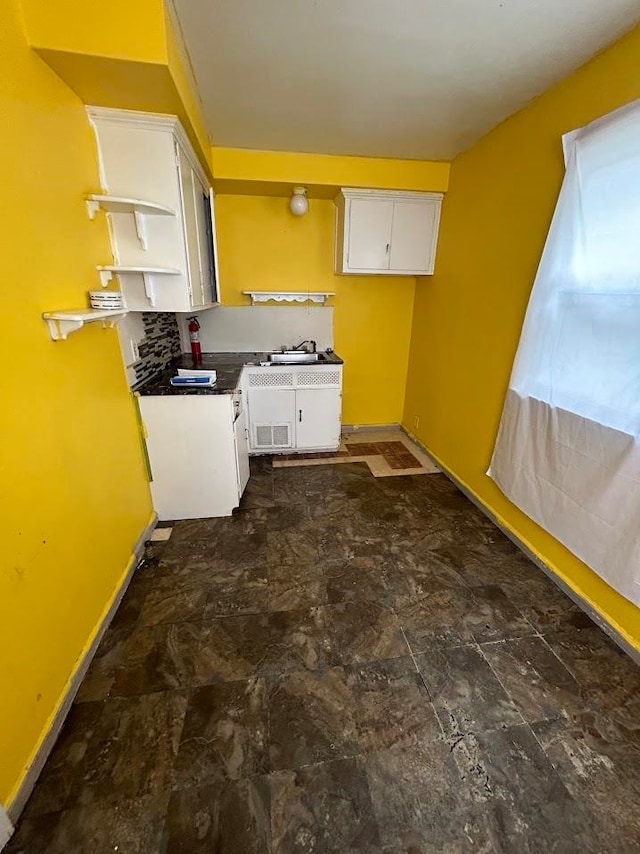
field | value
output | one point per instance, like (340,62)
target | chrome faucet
(306,341)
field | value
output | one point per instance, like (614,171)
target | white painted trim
(370,428)
(575,597)
(150,121)
(389,195)
(15,808)
(6,828)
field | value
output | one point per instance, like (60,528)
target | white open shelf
(62,323)
(108,271)
(289,296)
(140,208)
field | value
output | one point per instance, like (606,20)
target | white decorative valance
(289,296)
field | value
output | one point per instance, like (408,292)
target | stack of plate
(109,300)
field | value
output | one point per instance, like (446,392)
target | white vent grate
(273,436)
(281,436)
(264,438)
(277,378)
(318,377)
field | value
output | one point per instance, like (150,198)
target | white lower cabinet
(198,454)
(294,409)
(272,418)
(318,415)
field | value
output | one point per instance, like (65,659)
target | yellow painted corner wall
(467,320)
(261,246)
(75,497)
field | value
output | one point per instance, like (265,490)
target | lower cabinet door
(272,418)
(318,416)
(241,437)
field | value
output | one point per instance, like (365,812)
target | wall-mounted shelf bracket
(138,207)
(148,275)
(62,323)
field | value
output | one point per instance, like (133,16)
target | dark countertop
(228,367)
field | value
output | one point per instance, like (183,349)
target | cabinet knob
(388,247)
(299,415)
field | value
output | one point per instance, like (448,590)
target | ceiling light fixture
(299,203)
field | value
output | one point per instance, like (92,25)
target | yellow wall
(263,247)
(238,170)
(119,54)
(467,320)
(72,506)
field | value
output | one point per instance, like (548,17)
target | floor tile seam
(422,680)
(564,664)
(478,640)
(503,686)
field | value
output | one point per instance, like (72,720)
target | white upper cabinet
(148,157)
(382,232)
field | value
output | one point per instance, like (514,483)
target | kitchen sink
(296,357)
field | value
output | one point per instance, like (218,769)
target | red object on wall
(194,335)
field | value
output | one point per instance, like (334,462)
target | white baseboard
(6,828)
(370,428)
(37,763)
(575,597)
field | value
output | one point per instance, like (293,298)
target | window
(568,449)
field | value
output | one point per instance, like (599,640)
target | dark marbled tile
(493,617)
(481,563)
(102,826)
(408,579)
(525,804)
(129,610)
(422,803)
(99,678)
(356,581)
(599,762)
(34,833)
(168,603)
(237,590)
(258,493)
(465,692)
(295,586)
(133,749)
(285,547)
(231,817)
(536,680)
(542,602)
(311,718)
(364,631)
(224,734)
(156,658)
(54,785)
(234,648)
(391,704)
(325,807)
(262,464)
(291,518)
(439,618)
(236,550)
(609,679)
(190,533)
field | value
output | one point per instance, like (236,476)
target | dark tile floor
(348,664)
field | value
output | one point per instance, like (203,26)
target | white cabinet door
(189,187)
(318,414)
(369,238)
(241,433)
(190,445)
(272,418)
(415,227)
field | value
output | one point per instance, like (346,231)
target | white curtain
(568,448)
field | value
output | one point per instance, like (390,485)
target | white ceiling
(383,78)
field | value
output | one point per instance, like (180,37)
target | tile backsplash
(160,344)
